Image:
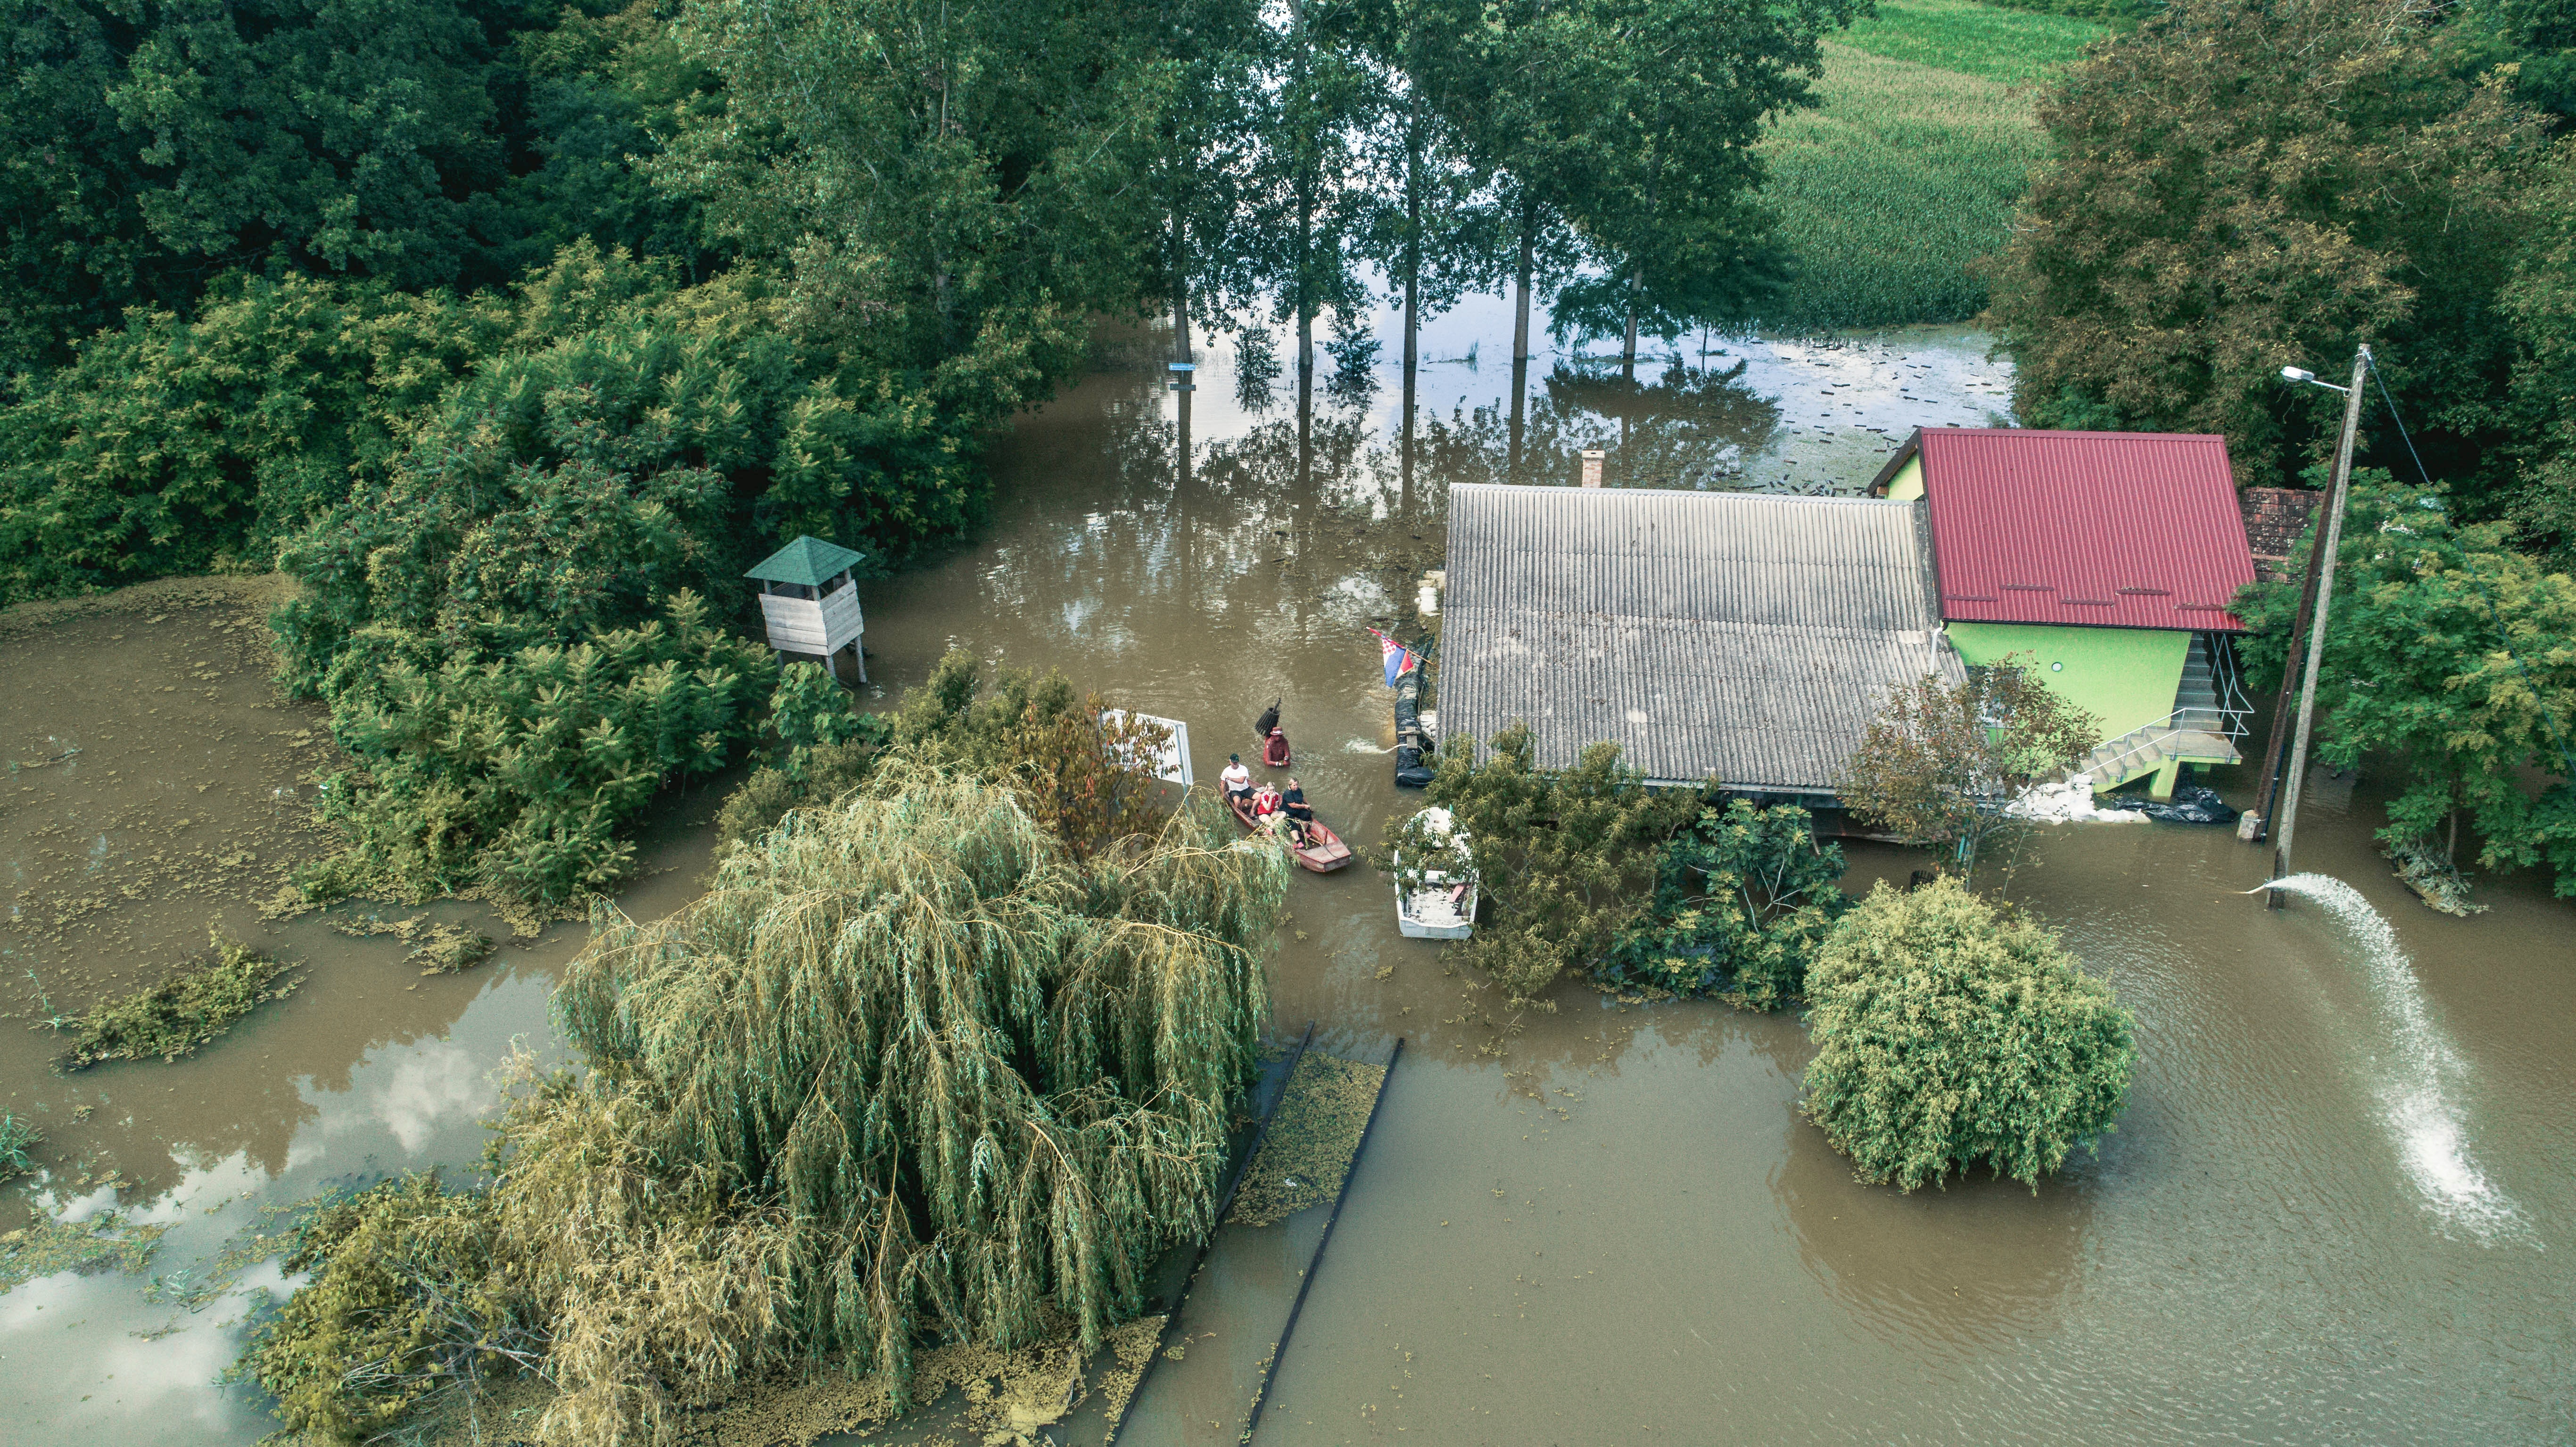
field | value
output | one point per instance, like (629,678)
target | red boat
(1323,851)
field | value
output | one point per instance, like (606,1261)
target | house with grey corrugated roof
(1739,637)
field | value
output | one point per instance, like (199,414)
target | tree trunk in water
(1520,331)
(1412,302)
(1180,295)
(1628,354)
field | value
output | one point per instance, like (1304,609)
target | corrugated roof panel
(2115,529)
(1731,634)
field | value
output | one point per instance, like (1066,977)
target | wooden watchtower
(810,601)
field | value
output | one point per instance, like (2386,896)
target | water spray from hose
(2415,1071)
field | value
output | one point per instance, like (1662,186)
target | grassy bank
(1909,170)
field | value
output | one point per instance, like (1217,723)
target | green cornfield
(1908,172)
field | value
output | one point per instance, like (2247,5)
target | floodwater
(2339,1206)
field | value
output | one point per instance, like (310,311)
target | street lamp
(2320,589)
(2302,374)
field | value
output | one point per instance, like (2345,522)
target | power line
(2494,614)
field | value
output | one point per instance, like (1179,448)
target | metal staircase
(2209,715)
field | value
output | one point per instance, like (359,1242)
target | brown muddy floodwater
(2339,1207)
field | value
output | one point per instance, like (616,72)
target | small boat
(1437,912)
(1441,905)
(1323,851)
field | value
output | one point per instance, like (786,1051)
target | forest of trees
(514,333)
(2240,185)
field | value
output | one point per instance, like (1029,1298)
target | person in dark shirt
(1300,813)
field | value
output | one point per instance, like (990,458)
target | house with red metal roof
(2110,559)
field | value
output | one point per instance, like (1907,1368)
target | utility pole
(2329,543)
(2276,745)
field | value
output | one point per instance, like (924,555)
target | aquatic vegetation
(17,1136)
(440,949)
(1312,1138)
(1952,1033)
(912,1070)
(48,1245)
(195,1003)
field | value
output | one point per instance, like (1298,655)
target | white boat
(1433,909)
(1430,914)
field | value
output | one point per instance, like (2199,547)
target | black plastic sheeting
(2194,805)
(1412,740)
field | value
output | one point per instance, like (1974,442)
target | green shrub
(1951,1033)
(199,1001)
(513,776)
(173,446)
(1567,858)
(16,1137)
(404,1300)
(823,749)
(1742,902)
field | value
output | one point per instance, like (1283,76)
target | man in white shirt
(1235,777)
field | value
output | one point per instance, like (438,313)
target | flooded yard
(1607,1224)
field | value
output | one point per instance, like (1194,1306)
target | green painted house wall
(1907,484)
(2124,676)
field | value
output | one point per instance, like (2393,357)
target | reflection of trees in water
(1691,428)
(1113,528)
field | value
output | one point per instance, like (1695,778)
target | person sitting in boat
(1300,813)
(1265,801)
(1235,777)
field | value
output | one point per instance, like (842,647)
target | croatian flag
(1400,660)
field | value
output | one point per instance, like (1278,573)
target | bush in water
(1567,857)
(1951,1032)
(1742,902)
(16,1136)
(910,1070)
(199,1001)
(512,775)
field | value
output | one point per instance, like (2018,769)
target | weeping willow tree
(954,1083)
(912,1071)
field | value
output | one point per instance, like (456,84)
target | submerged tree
(1742,901)
(1566,857)
(2457,655)
(1942,760)
(1952,1033)
(911,1071)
